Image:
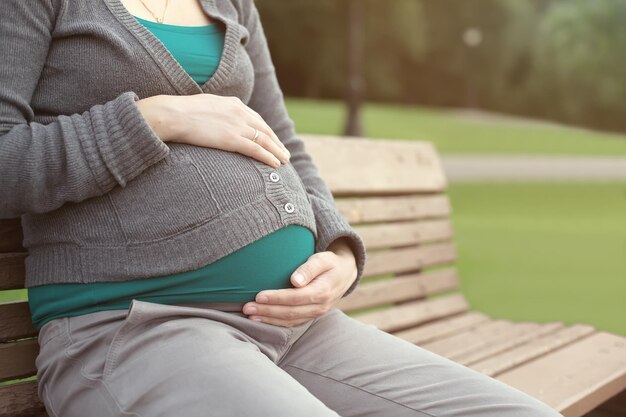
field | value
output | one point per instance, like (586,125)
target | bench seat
(393,194)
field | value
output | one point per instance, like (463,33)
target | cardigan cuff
(125,142)
(331,225)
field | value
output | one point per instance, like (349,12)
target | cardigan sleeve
(76,156)
(267,100)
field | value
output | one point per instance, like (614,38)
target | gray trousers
(202,360)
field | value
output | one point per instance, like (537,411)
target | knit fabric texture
(101,197)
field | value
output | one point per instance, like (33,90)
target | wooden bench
(393,193)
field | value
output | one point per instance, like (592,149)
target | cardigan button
(289,208)
(274,177)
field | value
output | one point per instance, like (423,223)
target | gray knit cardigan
(101,197)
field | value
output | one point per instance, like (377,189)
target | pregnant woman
(184,253)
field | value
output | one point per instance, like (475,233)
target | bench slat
(393,166)
(415,312)
(393,208)
(15,321)
(401,288)
(408,259)
(576,378)
(404,233)
(11,235)
(507,341)
(531,350)
(442,328)
(12,270)
(469,339)
(17,359)
(21,400)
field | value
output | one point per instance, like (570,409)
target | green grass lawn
(456,132)
(543,252)
(12,295)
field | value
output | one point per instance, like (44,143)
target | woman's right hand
(213,121)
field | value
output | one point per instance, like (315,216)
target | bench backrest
(394,195)
(392,192)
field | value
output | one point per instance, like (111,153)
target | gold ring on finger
(256,135)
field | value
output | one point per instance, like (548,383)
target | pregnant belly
(264,264)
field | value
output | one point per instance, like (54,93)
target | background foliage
(563,60)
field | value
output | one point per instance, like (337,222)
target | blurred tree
(558,59)
(452,67)
(580,63)
(508,89)
(355,85)
(306,39)
(395,42)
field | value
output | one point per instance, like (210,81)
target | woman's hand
(213,121)
(326,277)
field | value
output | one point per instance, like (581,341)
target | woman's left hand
(327,276)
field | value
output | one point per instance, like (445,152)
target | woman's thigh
(164,361)
(359,370)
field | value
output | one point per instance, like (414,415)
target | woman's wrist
(160,113)
(340,246)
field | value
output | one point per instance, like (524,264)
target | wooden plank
(531,350)
(442,328)
(414,312)
(15,321)
(576,378)
(21,400)
(12,270)
(393,166)
(404,233)
(507,341)
(403,288)
(511,330)
(17,359)
(393,208)
(468,339)
(408,259)
(11,235)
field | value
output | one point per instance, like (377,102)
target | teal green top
(198,49)
(264,264)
